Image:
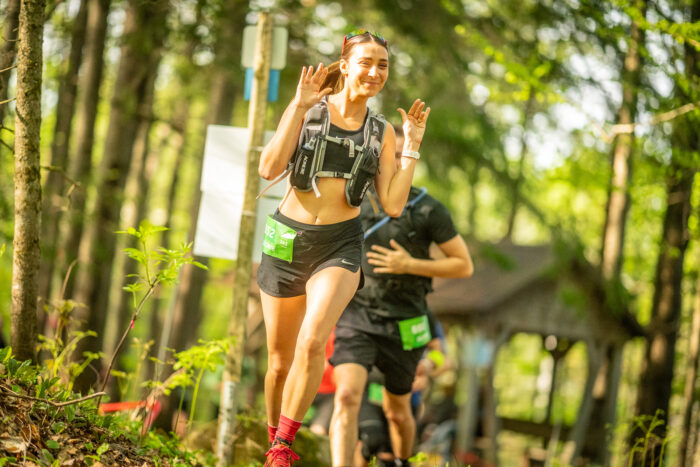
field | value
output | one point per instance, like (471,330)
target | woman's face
(367,69)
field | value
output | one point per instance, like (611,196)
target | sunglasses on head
(362,32)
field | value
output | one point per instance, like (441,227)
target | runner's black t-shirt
(399,296)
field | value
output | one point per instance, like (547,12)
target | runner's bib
(415,332)
(375,393)
(279,240)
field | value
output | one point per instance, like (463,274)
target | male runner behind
(385,324)
(372,423)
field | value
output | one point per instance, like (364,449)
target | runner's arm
(456,263)
(392,185)
(277,153)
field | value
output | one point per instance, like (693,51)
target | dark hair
(335,79)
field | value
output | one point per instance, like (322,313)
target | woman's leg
(283,318)
(328,292)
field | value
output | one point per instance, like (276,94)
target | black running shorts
(384,351)
(316,247)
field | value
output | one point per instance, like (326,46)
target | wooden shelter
(530,289)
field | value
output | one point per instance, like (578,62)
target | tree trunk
(187,312)
(8,52)
(54,200)
(81,164)
(178,137)
(27,179)
(181,325)
(623,147)
(691,376)
(613,239)
(657,368)
(143,166)
(175,138)
(144,33)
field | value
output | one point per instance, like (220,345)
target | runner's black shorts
(316,247)
(385,351)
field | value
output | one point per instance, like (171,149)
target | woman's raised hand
(414,121)
(309,90)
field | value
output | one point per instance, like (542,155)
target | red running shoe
(280,455)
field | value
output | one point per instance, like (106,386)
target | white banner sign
(222,185)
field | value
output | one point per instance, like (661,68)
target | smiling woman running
(333,147)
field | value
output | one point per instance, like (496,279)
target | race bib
(375,393)
(279,240)
(415,332)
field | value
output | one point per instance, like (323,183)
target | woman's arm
(392,184)
(277,153)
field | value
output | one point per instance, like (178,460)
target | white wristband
(412,154)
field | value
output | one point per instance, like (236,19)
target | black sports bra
(337,156)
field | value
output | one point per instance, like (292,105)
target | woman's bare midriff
(330,208)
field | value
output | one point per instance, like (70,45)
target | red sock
(271,432)
(287,429)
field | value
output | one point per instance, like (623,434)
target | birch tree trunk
(27,179)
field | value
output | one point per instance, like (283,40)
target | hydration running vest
(307,163)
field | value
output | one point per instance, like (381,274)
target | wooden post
(491,422)
(573,446)
(241,284)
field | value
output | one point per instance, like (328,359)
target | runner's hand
(414,122)
(390,261)
(309,90)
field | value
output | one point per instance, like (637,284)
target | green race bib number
(415,332)
(375,393)
(279,240)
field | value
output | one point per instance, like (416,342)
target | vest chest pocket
(279,240)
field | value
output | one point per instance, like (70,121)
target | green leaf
(69,410)
(57,428)
(135,254)
(52,444)
(200,265)
(103,448)
(48,455)
(135,287)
